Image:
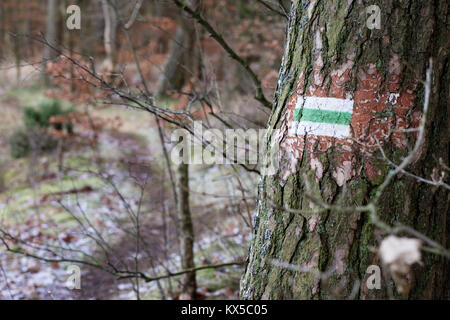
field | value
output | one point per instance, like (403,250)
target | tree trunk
(28,50)
(109,37)
(17,53)
(376,75)
(2,174)
(181,63)
(87,25)
(188,282)
(51,35)
(51,29)
(172,77)
(2,31)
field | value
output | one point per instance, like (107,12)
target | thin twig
(216,36)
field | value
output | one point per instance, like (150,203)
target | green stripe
(324,116)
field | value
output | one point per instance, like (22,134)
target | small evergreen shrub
(34,136)
(39,118)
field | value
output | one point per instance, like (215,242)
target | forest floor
(102,184)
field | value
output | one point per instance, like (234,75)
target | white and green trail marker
(322,117)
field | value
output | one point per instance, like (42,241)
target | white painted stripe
(332,104)
(320,129)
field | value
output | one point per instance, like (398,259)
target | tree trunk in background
(51,30)
(2,30)
(109,36)
(181,63)
(172,76)
(2,174)
(330,52)
(186,230)
(28,52)
(86,46)
(69,44)
(51,34)
(17,51)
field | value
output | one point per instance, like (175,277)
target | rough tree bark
(330,52)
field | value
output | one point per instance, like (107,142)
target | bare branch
(268,6)
(216,36)
(133,14)
(179,273)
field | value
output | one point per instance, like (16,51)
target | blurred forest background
(86,118)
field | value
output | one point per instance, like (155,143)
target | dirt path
(99,284)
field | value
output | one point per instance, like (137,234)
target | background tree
(110,32)
(52,33)
(186,232)
(2,29)
(178,69)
